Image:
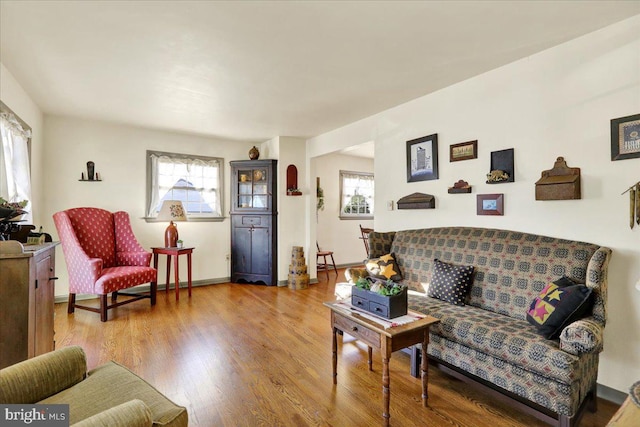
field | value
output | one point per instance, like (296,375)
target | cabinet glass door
(253,191)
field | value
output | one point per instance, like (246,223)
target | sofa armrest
(33,380)
(133,413)
(582,336)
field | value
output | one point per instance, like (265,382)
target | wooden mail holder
(417,201)
(559,183)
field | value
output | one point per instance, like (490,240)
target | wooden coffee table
(387,340)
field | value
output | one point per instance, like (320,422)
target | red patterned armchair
(103,256)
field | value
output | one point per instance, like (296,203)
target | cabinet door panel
(44,306)
(241,251)
(261,251)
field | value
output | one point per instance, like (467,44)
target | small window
(194,180)
(15,176)
(356,195)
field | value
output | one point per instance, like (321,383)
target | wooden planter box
(380,305)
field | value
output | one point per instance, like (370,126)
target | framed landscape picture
(422,158)
(490,204)
(625,137)
(463,151)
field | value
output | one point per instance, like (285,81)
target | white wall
(292,210)
(556,103)
(340,236)
(14,97)
(119,153)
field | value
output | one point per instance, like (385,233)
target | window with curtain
(356,195)
(194,180)
(15,176)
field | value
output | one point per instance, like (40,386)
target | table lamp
(171,210)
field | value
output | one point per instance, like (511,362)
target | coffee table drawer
(357,331)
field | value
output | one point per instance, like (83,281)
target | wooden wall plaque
(559,183)
(417,201)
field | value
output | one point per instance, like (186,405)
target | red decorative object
(171,236)
(292,181)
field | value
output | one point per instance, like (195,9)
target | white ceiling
(254,70)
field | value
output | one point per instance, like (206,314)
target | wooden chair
(324,266)
(103,256)
(365,237)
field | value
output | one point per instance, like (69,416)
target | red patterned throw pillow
(560,303)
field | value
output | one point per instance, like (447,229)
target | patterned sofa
(488,341)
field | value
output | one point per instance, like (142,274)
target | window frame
(349,216)
(182,156)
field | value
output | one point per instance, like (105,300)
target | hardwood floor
(250,355)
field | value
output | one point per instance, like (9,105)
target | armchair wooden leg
(154,290)
(103,307)
(72,303)
(114,296)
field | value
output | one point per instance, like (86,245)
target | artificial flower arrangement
(10,210)
(387,288)
(387,299)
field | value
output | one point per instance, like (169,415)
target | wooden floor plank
(251,355)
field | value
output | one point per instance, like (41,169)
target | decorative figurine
(90,170)
(254,153)
(497,176)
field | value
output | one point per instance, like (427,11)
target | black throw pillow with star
(560,303)
(384,268)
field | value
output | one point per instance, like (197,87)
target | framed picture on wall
(490,204)
(463,151)
(625,137)
(422,158)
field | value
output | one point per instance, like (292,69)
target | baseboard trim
(146,288)
(611,394)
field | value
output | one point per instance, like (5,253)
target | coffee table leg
(425,368)
(334,347)
(386,394)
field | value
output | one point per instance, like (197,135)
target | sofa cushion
(450,283)
(384,268)
(512,340)
(560,303)
(110,385)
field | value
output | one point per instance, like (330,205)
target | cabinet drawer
(357,331)
(379,309)
(251,220)
(359,302)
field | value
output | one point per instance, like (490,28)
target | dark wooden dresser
(26,301)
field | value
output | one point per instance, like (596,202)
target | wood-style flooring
(251,355)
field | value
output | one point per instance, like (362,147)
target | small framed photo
(463,151)
(422,158)
(490,204)
(625,137)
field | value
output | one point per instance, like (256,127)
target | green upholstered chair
(109,395)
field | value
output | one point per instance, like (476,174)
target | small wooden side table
(174,252)
(387,340)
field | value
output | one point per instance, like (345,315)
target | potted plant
(180,244)
(384,298)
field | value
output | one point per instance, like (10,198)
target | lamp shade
(171,210)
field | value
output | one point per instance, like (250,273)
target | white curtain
(15,177)
(203,174)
